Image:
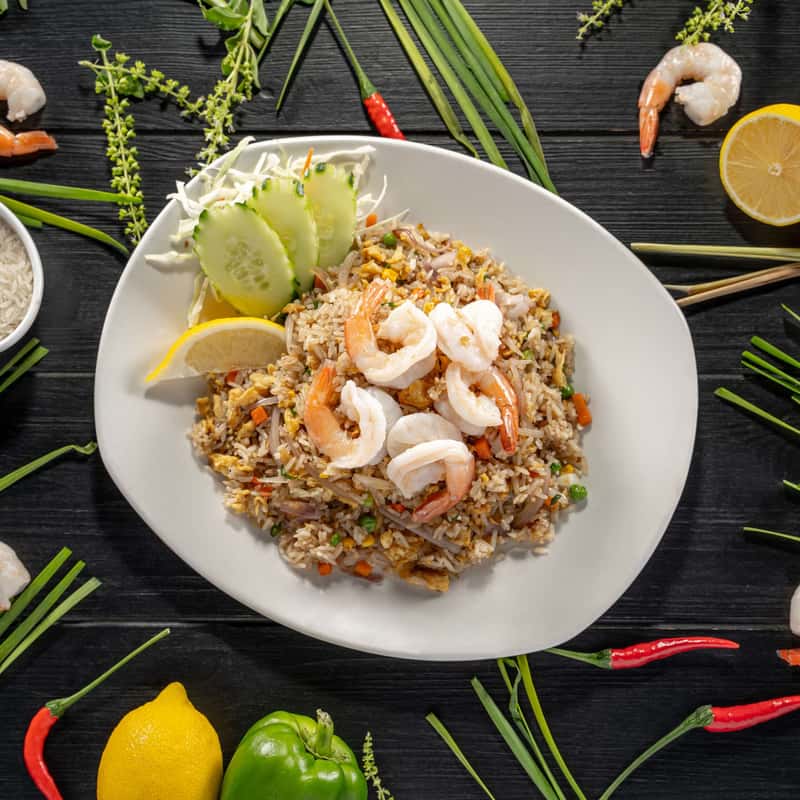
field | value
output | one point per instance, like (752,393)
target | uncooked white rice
(16,281)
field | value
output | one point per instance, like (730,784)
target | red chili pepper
(791,657)
(637,655)
(378,111)
(47,716)
(714,719)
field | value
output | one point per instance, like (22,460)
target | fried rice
(357,521)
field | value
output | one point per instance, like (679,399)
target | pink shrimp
(24,143)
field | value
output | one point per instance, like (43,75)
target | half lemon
(222,345)
(759,164)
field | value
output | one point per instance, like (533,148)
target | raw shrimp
(19,87)
(459,472)
(25,143)
(496,405)
(326,432)
(406,326)
(13,576)
(469,335)
(719,79)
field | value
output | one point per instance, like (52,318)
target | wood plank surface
(705,576)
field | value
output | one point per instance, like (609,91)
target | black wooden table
(704,577)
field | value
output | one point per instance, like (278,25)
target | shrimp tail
(24,143)
(486,291)
(509,428)
(433,506)
(648,130)
(459,479)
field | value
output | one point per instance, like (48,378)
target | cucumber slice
(333,201)
(245,259)
(285,208)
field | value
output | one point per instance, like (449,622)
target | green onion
(50,599)
(54,616)
(515,709)
(528,354)
(567,391)
(29,222)
(21,353)
(770,376)
(795,487)
(731,397)
(276,530)
(31,360)
(775,352)
(752,358)
(538,713)
(434,722)
(766,253)
(426,76)
(792,313)
(389,240)
(311,22)
(477,40)
(469,70)
(578,492)
(62,222)
(12,477)
(555,468)
(450,78)
(368,522)
(511,738)
(368,501)
(336,539)
(776,534)
(33,589)
(65,192)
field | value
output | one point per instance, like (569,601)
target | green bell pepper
(292,757)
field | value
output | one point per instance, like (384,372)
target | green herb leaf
(426,76)
(21,472)
(54,616)
(511,738)
(311,23)
(223,18)
(99,43)
(32,590)
(434,722)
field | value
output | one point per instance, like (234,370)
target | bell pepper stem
(324,736)
(699,718)
(59,706)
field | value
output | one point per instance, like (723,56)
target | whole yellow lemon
(163,750)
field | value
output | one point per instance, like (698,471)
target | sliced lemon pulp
(759,164)
(221,345)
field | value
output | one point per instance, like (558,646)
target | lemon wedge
(759,164)
(221,345)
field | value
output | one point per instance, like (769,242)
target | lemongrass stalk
(26,469)
(538,713)
(58,221)
(16,186)
(447,738)
(784,273)
(32,590)
(775,352)
(482,44)
(766,253)
(34,358)
(469,70)
(697,288)
(515,744)
(54,616)
(428,79)
(38,613)
(455,86)
(776,534)
(746,405)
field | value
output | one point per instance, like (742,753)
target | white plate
(634,355)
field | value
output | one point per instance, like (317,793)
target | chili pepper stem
(324,735)
(600,659)
(699,718)
(59,706)
(365,85)
(538,712)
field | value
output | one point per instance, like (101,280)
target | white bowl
(634,355)
(38,279)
